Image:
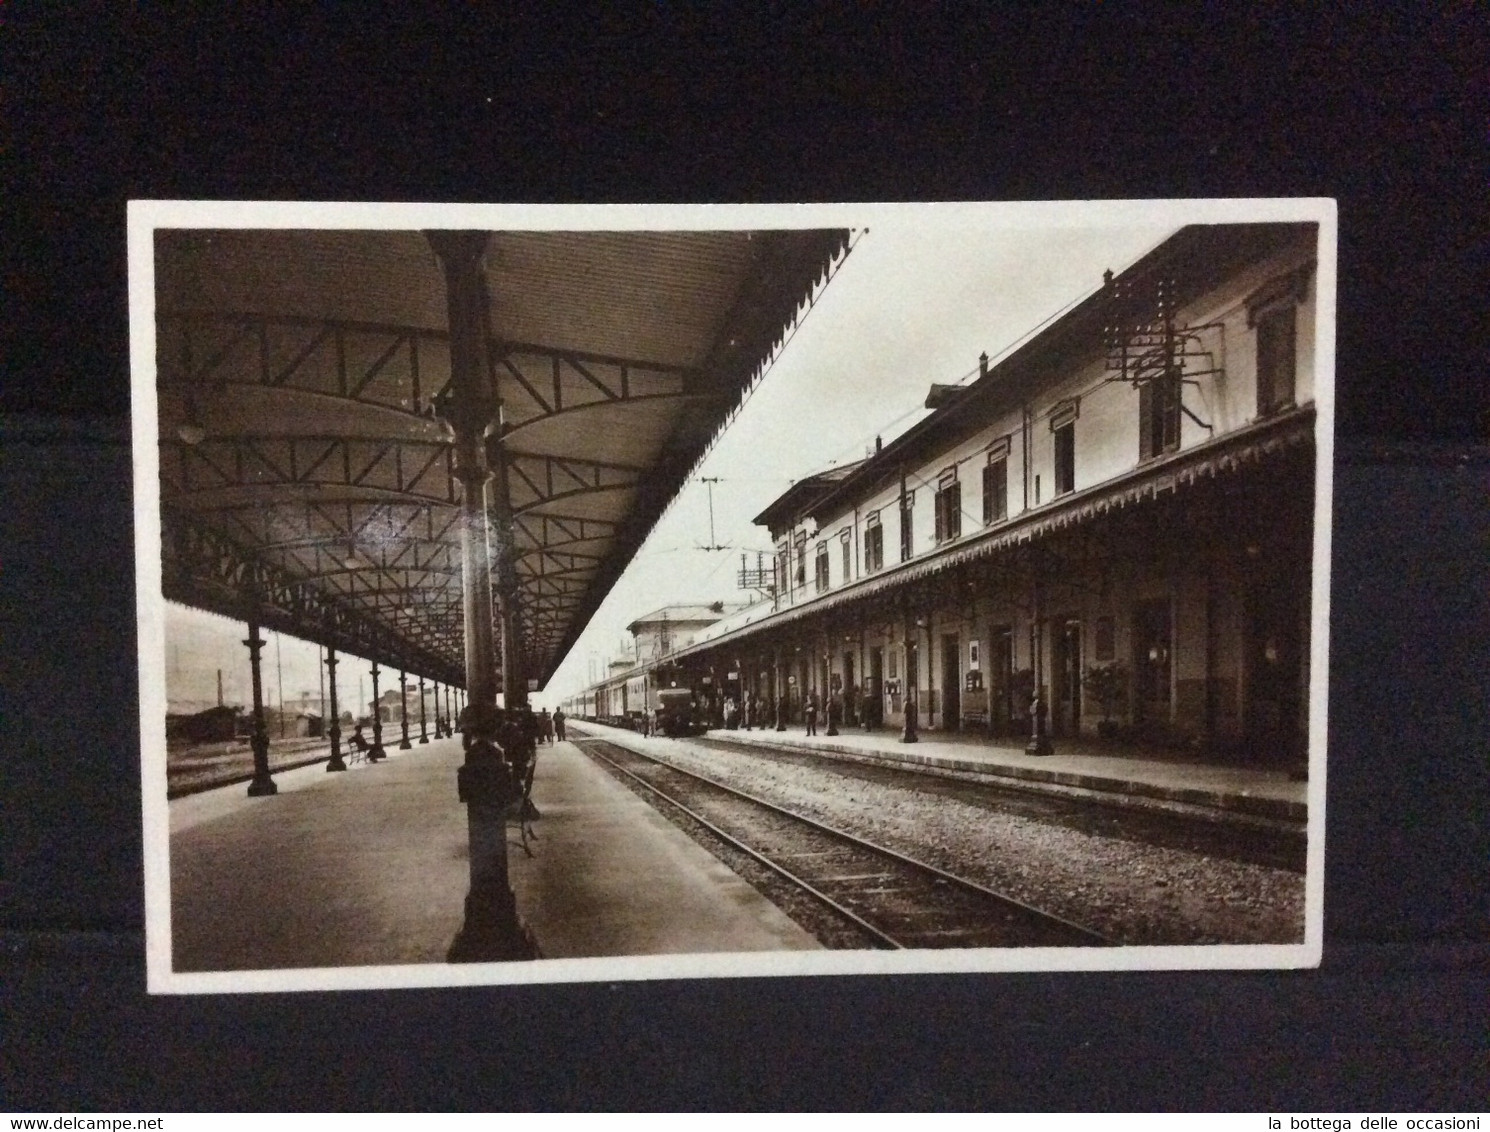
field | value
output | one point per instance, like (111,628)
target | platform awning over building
(306,468)
(1256,446)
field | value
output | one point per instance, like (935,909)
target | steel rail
(729,839)
(1096,938)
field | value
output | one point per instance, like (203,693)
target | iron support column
(514,682)
(423,725)
(486,782)
(403,710)
(1039,743)
(831,704)
(376,752)
(912,682)
(334,731)
(779,680)
(262,784)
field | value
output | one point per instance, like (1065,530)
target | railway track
(879,897)
(1242,838)
(194,772)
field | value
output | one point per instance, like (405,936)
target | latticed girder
(225,472)
(202,568)
(538,480)
(406,368)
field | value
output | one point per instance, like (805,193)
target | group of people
(550,727)
(744,712)
(747,711)
(538,727)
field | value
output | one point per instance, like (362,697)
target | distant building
(214,725)
(664,631)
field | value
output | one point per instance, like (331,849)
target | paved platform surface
(370,867)
(1135,776)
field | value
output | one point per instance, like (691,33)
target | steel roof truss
(587,476)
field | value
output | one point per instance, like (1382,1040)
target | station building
(1107,532)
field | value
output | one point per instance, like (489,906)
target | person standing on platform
(559,724)
(547,723)
(809,709)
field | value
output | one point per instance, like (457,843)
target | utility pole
(711,481)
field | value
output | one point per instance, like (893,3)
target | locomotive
(645,702)
(678,713)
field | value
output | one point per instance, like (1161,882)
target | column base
(262,787)
(1040,745)
(376,753)
(493,933)
(334,764)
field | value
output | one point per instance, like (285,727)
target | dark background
(1384,112)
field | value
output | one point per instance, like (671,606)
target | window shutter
(1170,391)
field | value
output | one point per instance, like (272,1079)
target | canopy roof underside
(305,471)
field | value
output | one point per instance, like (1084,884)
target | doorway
(1001,680)
(874,701)
(1274,719)
(1153,632)
(951,682)
(1067,677)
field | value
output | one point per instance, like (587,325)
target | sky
(911,305)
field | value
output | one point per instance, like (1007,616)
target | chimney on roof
(982,365)
(878,445)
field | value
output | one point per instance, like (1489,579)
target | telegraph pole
(711,481)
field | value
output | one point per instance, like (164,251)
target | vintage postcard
(562,593)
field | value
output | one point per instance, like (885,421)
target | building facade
(1109,531)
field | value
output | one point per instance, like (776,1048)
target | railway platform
(370,867)
(1143,778)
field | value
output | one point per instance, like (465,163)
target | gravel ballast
(1131,892)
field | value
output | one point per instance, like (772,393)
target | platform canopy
(305,465)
